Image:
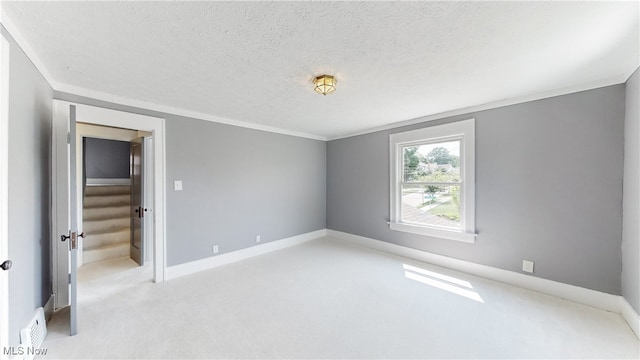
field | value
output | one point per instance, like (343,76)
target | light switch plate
(177,185)
(527,266)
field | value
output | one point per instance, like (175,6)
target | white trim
(147,167)
(577,294)
(471,110)
(630,316)
(464,131)
(120,100)
(26,47)
(160,191)
(98,95)
(434,232)
(4,188)
(192,267)
(75,90)
(107,182)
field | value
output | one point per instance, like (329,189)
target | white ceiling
(394,61)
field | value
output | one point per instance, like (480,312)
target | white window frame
(459,130)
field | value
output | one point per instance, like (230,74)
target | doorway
(68,196)
(111,218)
(116,192)
(115,254)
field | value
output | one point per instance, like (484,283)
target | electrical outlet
(215,249)
(257,238)
(527,266)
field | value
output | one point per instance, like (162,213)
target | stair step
(106,225)
(107,212)
(97,240)
(107,190)
(105,253)
(107,201)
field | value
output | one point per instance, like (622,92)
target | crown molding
(120,100)
(22,42)
(170,110)
(615,80)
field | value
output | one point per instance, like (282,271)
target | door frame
(4,189)
(148,198)
(119,119)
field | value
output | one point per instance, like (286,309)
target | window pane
(435,162)
(431,205)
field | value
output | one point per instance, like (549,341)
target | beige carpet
(327,299)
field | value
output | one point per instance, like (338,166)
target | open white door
(5,263)
(65,260)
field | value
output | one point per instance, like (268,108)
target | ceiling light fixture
(325,84)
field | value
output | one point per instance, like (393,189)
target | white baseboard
(577,294)
(192,267)
(48,307)
(630,316)
(597,299)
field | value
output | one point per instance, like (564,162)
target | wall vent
(33,334)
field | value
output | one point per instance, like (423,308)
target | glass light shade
(325,84)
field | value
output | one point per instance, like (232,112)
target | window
(433,181)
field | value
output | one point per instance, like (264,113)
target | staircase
(106,222)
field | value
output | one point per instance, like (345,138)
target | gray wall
(548,188)
(238,183)
(29,189)
(106,159)
(631,195)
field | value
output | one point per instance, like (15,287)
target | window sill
(434,232)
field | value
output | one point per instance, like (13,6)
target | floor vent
(32,336)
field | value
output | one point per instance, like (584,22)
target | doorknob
(64,237)
(140,211)
(6,265)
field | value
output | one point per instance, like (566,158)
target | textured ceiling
(394,61)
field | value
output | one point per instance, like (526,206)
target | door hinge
(69,278)
(68,138)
